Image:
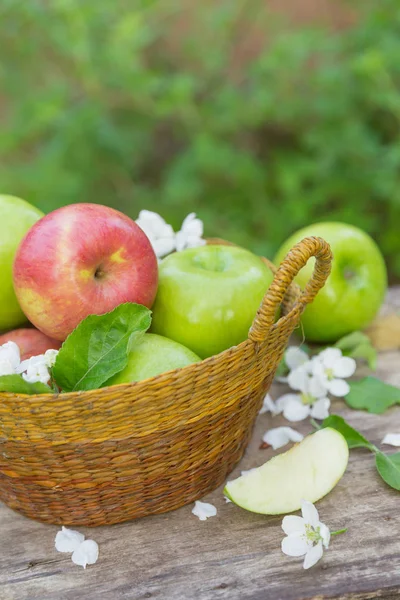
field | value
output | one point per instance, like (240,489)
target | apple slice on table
(308,471)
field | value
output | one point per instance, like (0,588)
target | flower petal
(338,387)
(295,410)
(68,540)
(325,534)
(268,406)
(163,246)
(6,367)
(227,500)
(344,367)
(295,357)
(294,545)
(87,553)
(317,387)
(313,555)
(245,473)
(329,357)
(192,226)
(293,524)
(280,436)
(204,510)
(309,513)
(298,379)
(282,401)
(391,439)
(320,409)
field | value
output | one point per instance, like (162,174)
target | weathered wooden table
(235,555)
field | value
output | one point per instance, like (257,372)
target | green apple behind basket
(356,286)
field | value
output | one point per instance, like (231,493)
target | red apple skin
(79,260)
(31,342)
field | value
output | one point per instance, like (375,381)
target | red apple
(80,260)
(31,342)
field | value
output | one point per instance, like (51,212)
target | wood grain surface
(235,555)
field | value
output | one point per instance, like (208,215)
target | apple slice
(308,471)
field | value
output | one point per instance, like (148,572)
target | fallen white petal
(268,406)
(391,439)
(298,379)
(293,524)
(295,410)
(87,553)
(280,436)
(313,555)
(294,545)
(204,510)
(227,500)
(344,367)
(330,356)
(309,513)
(245,473)
(338,387)
(325,534)
(295,357)
(68,540)
(320,409)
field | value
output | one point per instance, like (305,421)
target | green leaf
(358,345)
(388,467)
(353,437)
(98,348)
(16,384)
(373,395)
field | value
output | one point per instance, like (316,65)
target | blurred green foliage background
(120,103)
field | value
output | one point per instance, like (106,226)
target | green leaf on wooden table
(98,348)
(388,466)
(16,384)
(358,345)
(353,437)
(372,394)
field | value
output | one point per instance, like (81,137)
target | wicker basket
(118,453)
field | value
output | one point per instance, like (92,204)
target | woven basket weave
(118,453)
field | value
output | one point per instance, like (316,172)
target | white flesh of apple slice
(308,471)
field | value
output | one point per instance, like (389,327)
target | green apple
(208,297)
(151,356)
(308,471)
(17,217)
(355,288)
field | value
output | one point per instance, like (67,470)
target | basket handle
(291,265)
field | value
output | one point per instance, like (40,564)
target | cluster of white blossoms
(312,379)
(33,370)
(164,239)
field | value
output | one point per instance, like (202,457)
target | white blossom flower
(9,358)
(269,406)
(295,357)
(391,439)
(190,234)
(280,436)
(204,510)
(330,368)
(293,408)
(35,369)
(87,553)
(68,540)
(160,234)
(306,535)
